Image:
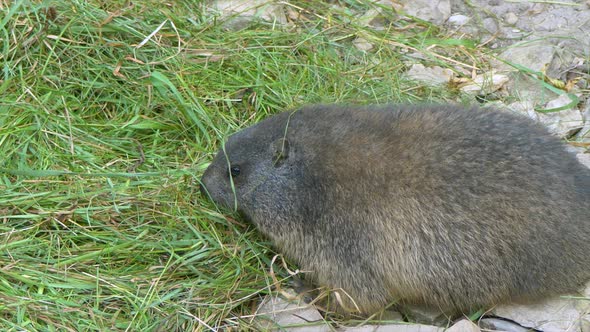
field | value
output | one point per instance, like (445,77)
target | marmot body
(452,208)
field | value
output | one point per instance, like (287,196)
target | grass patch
(105,132)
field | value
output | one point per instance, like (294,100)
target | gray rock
(430,75)
(276,313)
(584,134)
(525,108)
(510,18)
(527,88)
(563,123)
(237,14)
(574,149)
(551,315)
(390,316)
(464,325)
(434,11)
(373,17)
(362,44)
(533,56)
(393,328)
(560,101)
(425,315)
(584,158)
(458,20)
(485,83)
(549,23)
(586,111)
(496,324)
(490,25)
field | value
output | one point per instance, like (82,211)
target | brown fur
(435,205)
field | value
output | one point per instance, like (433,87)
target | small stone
(390,316)
(277,313)
(485,83)
(556,23)
(510,18)
(574,149)
(526,87)
(562,123)
(458,20)
(393,328)
(430,75)
(362,44)
(237,14)
(549,315)
(524,107)
(414,55)
(496,324)
(424,315)
(436,12)
(464,325)
(584,159)
(584,134)
(532,56)
(490,25)
(374,18)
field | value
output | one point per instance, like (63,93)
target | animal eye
(234,171)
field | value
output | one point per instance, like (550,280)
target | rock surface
(532,56)
(430,75)
(238,14)
(584,158)
(562,123)
(393,328)
(529,20)
(464,325)
(276,313)
(498,324)
(434,11)
(485,83)
(551,315)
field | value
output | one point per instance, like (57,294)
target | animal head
(254,172)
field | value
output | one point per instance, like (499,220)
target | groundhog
(441,206)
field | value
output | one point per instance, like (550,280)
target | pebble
(458,20)
(510,18)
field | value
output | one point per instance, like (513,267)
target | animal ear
(280,151)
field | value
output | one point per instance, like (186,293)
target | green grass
(104,135)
